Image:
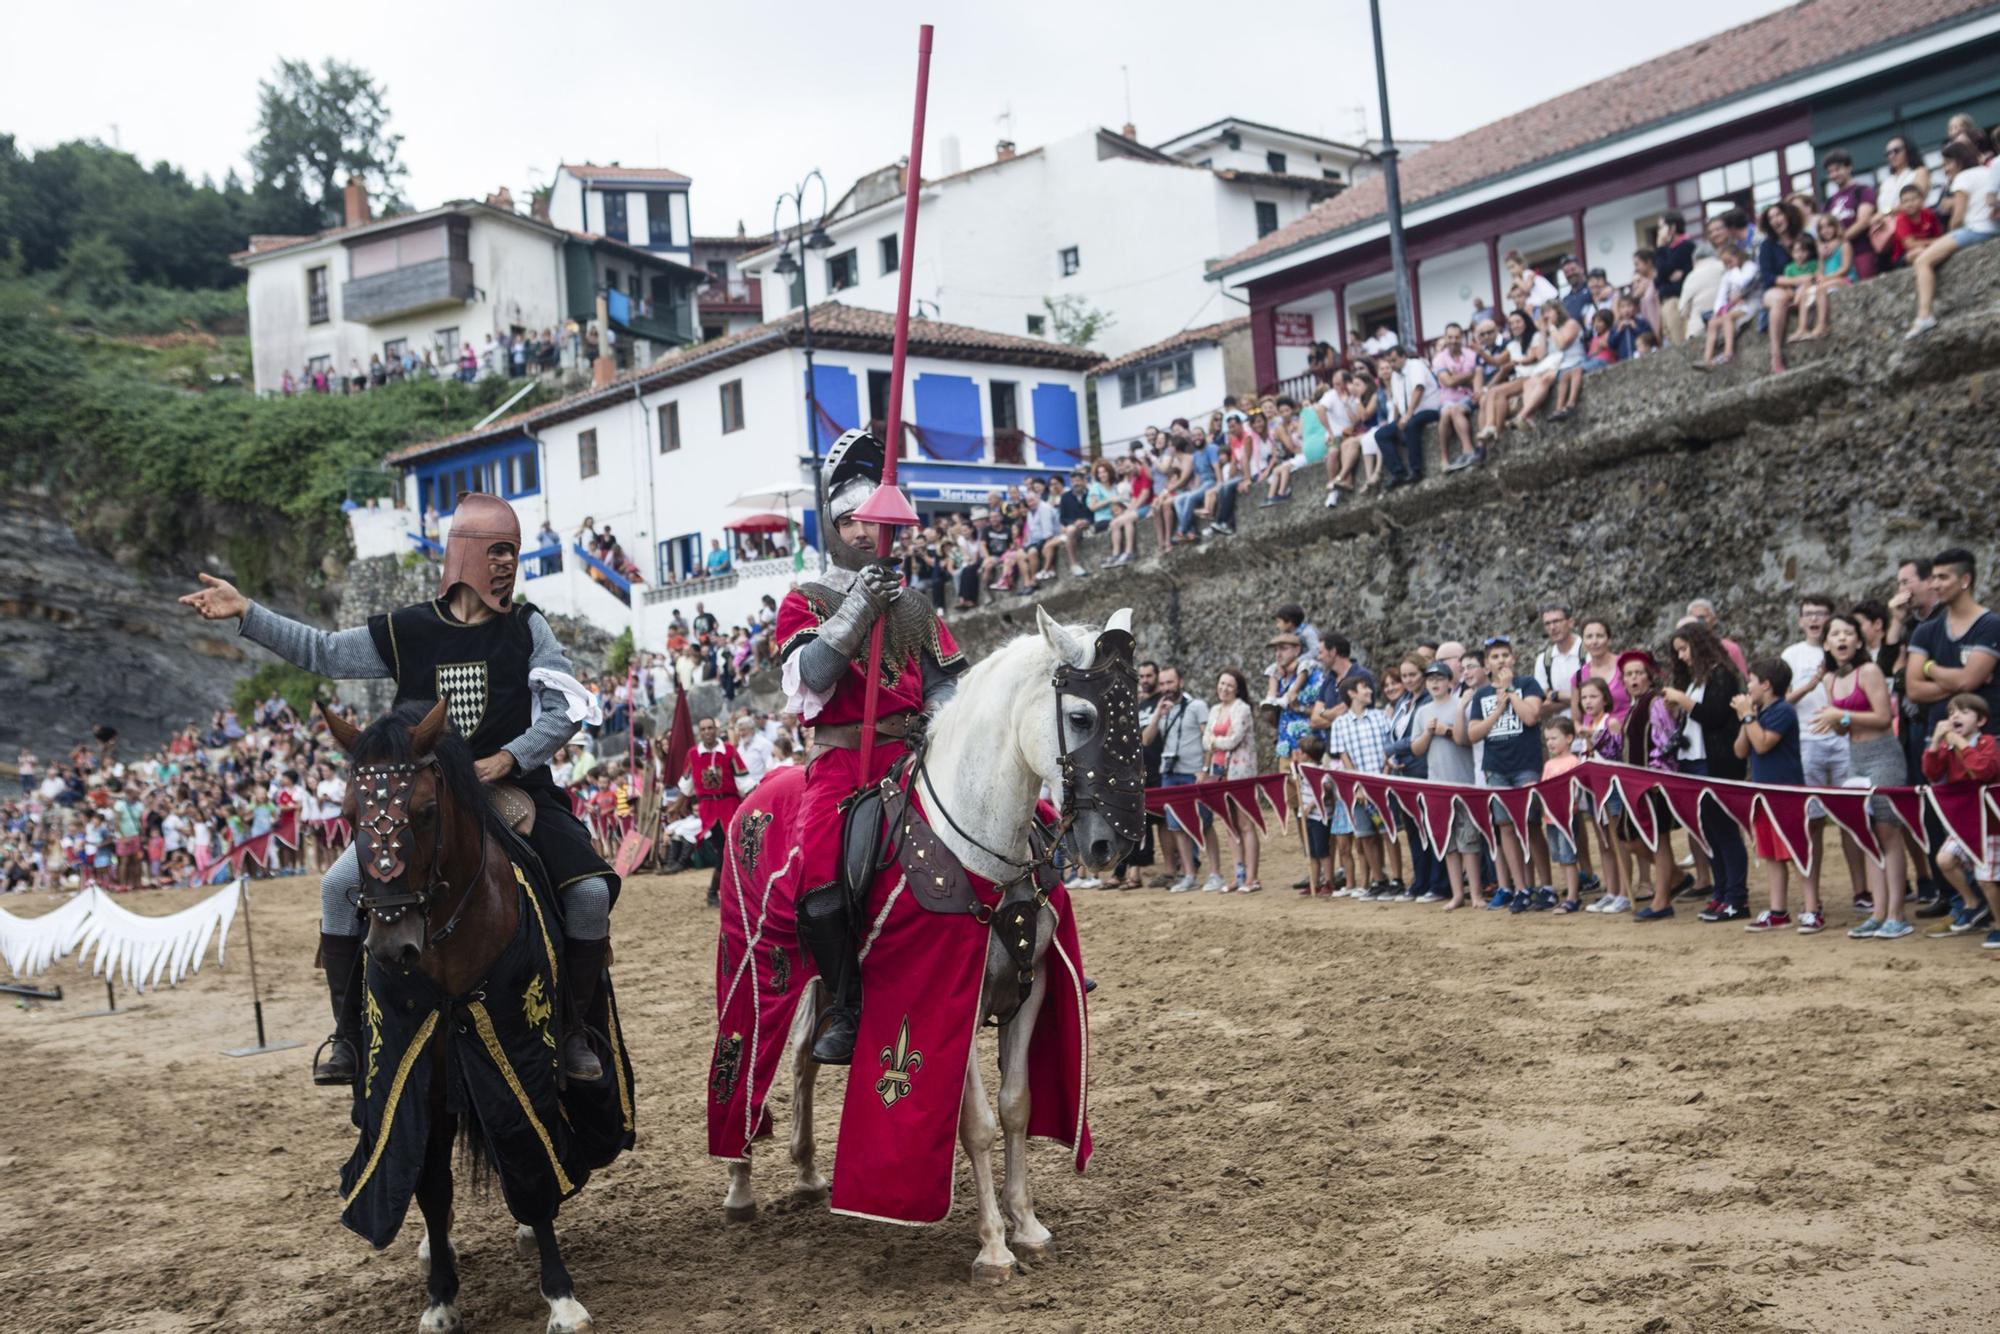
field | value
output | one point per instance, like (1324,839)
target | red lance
(886,508)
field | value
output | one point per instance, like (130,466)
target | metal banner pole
(256,994)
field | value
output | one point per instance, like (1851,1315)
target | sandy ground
(1310,1115)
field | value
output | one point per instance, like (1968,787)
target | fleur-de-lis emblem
(899,1064)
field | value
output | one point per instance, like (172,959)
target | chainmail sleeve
(553,728)
(344,655)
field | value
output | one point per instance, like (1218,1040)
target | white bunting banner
(141,951)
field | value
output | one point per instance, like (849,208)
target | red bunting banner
(1185,803)
(1966,811)
(258,849)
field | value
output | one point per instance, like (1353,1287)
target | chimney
(1130,131)
(538,205)
(1003,150)
(356,200)
(503,198)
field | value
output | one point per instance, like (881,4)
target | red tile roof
(591,172)
(1713,70)
(1207,333)
(835,326)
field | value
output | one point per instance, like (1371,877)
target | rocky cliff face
(85,641)
(1669,484)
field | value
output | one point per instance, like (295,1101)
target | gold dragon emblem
(537,1009)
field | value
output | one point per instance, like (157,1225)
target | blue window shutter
(1058,427)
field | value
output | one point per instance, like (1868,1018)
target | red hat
(1638,655)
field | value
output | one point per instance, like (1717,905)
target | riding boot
(583,971)
(341,1060)
(715,886)
(824,931)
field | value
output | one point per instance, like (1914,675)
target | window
(891,257)
(614,213)
(718,269)
(386,254)
(586,453)
(1267,218)
(878,396)
(315,365)
(444,343)
(732,406)
(632,285)
(526,479)
(610,279)
(1069,260)
(1275,162)
(1156,380)
(316,296)
(670,427)
(394,349)
(1328,174)
(1037,325)
(842,272)
(659,221)
(1005,401)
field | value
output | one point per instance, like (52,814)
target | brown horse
(441,899)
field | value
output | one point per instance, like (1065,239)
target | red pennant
(1963,810)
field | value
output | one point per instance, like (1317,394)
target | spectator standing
(1231,746)
(1651,740)
(1673,261)
(1961,752)
(1859,709)
(1559,661)
(1177,723)
(1506,715)
(1768,738)
(1702,682)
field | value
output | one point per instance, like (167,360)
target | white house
(1098,220)
(1187,375)
(660,455)
(445,277)
(646,207)
(1740,119)
(730,302)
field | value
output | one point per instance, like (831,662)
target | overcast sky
(747,98)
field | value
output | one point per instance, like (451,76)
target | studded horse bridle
(383,791)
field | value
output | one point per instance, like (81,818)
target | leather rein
(384,792)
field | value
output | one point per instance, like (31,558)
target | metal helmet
(477,523)
(853,469)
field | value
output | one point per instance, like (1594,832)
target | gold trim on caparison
(410,1055)
(484,1023)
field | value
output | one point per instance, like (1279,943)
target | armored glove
(846,631)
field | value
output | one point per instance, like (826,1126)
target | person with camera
(1176,723)
(1703,680)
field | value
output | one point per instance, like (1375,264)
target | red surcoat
(714,773)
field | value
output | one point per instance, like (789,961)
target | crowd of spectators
(506,354)
(1894,687)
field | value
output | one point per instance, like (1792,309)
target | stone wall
(1668,484)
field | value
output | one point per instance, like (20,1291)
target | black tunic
(483,669)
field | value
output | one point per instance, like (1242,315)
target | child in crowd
(1768,736)
(1961,752)
(1558,736)
(1598,738)
(1735,303)
(1319,874)
(1359,742)
(1916,227)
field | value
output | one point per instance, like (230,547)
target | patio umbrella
(759,523)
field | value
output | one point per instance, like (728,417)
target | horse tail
(475,1160)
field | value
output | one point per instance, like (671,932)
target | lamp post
(1406,325)
(787,268)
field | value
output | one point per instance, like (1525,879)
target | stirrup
(332,1046)
(831,1046)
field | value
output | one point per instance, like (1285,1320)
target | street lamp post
(787,267)
(1406,324)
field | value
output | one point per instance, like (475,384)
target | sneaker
(1212,884)
(1866,930)
(1332,499)
(1709,914)
(1570,905)
(1597,904)
(1921,327)
(1944,905)
(1811,923)
(1864,904)
(1730,912)
(1769,921)
(1893,930)
(1992,941)
(1498,899)
(1546,898)
(1651,914)
(1942,931)
(1618,903)
(1973,920)
(1407,896)
(1078,572)
(1182,885)
(1520,900)
(1432,896)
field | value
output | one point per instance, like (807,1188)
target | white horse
(992,750)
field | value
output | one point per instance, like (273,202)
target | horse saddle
(515,808)
(884,828)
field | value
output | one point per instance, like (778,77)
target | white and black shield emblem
(464,685)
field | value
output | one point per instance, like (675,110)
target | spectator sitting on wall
(1968,197)
(1914,228)
(1673,262)
(1851,203)
(1732,305)
(1538,290)
(1455,367)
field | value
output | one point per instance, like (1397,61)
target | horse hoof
(811,1194)
(991,1275)
(567,1316)
(525,1244)
(1033,1252)
(439,1320)
(739,1213)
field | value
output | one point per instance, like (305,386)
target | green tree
(1073,322)
(317,128)
(95,270)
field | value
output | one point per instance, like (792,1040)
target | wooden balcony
(407,290)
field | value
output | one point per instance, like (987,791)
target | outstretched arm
(343,654)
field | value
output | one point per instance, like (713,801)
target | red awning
(758,523)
